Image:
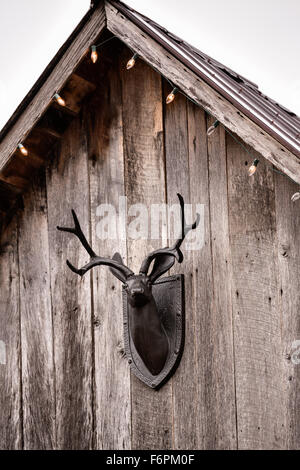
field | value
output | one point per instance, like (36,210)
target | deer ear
(117,257)
(161,265)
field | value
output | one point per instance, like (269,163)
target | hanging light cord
(104,42)
(195,103)
(225,128)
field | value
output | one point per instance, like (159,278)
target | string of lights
(211,129)
(169,99)
(94,53)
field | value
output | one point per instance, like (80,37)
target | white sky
(257,38)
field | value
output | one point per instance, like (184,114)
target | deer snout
(137,291)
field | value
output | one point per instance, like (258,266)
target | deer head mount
(148,331)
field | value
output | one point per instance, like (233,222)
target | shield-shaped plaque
(153,308)
(168,294)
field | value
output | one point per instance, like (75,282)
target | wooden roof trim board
(146,38)
(41,96)
(282,124)
(139,40)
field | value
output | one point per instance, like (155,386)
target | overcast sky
(257,38)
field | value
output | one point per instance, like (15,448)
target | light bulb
(94,55)
(131,62)
(59,99)
(252,168)
(171,96)
(23,150)
(211,129)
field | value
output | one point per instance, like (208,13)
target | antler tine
(175,249)
(79,233)
(185,228)
(98,261)
(95,260)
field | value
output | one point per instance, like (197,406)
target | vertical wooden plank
(36,321)
(204,381)
(185,381)
(10,375)
(288,232)
(217,372)
(106,164)
(211,367)
(257,320)
(67,188)
(145,183)
(200,362)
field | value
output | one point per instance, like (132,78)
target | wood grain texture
(106,166)
(202,360)
(237,385)
(259,357)
(11,435)
(74,92)
(220,391)
(185,380)
(67,188)
(288,233)
(54,83)
(9,197)
(36,321)
(202,93)
(20,171)
(145,183)
(211,365)
(16,181)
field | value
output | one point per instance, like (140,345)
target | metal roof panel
(278,121)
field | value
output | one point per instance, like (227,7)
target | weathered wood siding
(65,382)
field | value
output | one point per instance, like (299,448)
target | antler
(173,251)
(95,260)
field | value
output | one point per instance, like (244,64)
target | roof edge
(47,71)
(258,115)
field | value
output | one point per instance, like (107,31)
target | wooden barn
(65,382)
